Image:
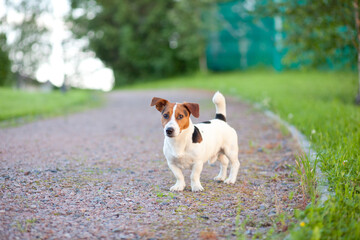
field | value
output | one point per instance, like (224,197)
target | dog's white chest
(183,162)
(178,156)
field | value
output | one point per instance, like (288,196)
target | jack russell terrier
(191,145)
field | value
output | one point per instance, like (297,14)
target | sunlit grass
(320,105)
(16,104)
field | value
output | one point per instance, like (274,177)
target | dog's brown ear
(193,109)
(159,103)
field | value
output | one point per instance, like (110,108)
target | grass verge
(17,107)
(320,105)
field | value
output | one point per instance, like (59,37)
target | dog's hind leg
(232,154)
(224,161)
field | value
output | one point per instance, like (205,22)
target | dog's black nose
(169,131)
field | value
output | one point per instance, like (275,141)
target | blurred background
(297,58)
(100,44)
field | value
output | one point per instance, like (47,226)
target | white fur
(219,142)
(220,104)
(173,124)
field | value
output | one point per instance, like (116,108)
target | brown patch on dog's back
(196,137)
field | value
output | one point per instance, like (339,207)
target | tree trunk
(203,62)
(357,24)
(357,99)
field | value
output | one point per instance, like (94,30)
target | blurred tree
(5,66)
(193,21)
(30,41)
(131,37)
(319,33)
(357,44)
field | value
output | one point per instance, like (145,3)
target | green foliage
(131,37)
(192,21)
(5,66)
(142,39)
(317,33)
(31,43)
(15,104)
(337,219)
(320,105)
(306,171)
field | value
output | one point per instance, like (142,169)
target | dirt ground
(101,174)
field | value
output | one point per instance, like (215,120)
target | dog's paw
(197,188)
(230,181)
(178,187)
(219,178)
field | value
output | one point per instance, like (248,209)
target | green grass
(319,104)
(19,106)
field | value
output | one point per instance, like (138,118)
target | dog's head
(175,116)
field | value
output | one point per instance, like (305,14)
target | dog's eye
(180,116)
(166,116)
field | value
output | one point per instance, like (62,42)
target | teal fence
(243,41)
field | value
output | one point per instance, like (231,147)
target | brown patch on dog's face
(182,116)
(167,113)
(159,103)
(172,121)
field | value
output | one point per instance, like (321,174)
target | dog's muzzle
(170,131)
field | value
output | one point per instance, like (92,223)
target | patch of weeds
(239,227)
(307,173)
(275,178)
(163,196)
(171,195)
(270,233)
(160,194)
(322,221)
(139,209)
(278,226)
(26,225)
(181,208)
(291,173)
(278,205)
(275,227)
(252,144)
(282,222)
(291,195)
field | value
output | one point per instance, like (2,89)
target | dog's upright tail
(220,104)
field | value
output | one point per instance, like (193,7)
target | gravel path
(102,174)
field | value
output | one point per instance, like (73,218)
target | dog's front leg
(195,177)
(180,182)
